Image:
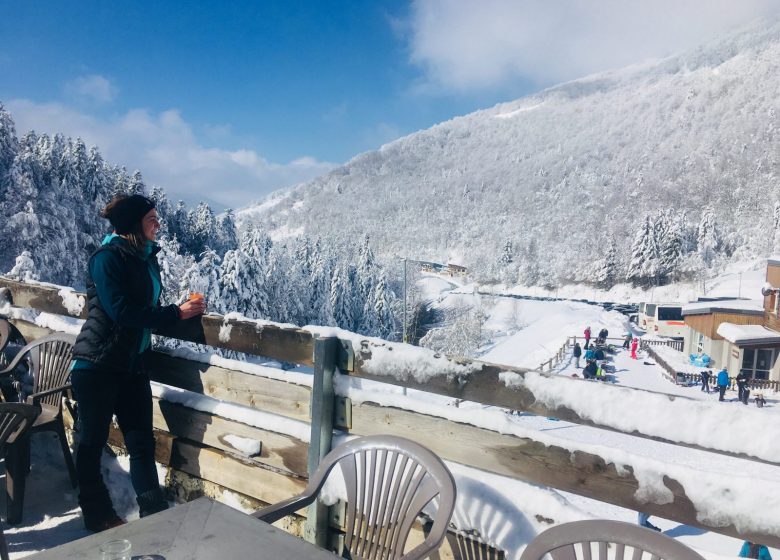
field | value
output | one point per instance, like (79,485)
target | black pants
(722,391)
(705,384)
(100,395)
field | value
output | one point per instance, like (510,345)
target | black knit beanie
(125,212)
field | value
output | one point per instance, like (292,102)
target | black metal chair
(16,419)
(48,361)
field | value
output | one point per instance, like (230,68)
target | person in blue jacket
(752,550)
(723,383)
(108,373)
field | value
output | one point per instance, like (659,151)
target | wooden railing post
(326,354)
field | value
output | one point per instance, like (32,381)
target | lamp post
(403,336)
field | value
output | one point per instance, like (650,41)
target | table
(199,530)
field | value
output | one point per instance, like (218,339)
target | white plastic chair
(614,540)
(389,480)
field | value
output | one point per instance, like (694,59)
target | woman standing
(108,373)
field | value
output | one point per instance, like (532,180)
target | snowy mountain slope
(560,172)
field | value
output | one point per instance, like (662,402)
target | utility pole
(740,285)
(404,328)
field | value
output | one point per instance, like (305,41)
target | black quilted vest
(102,341)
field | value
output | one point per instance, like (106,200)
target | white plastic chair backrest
(389,480)
(49,358)
(614,540)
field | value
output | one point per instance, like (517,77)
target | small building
(455,269)
(738,334)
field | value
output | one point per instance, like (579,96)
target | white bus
(663,319)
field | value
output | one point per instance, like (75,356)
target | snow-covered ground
(505,512)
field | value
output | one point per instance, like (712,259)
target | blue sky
(227,101)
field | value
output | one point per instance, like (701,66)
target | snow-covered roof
(748,334)
(735,306)
(774,260)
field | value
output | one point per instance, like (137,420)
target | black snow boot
(97,509)
(151,502)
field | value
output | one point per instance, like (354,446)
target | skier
(634,345)
(587,337)
(576,353)
(742,390)
(752,550)
(723,383)
(627,341)
(705,380)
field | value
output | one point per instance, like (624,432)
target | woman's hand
(192,308)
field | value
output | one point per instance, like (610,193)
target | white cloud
(168,153)
(462,45)
(93,88)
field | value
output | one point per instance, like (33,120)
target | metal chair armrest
(282,509)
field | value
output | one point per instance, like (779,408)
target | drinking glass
(196,296)
(115,550)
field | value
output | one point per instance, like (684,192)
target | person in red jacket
(587,337)
(634,345)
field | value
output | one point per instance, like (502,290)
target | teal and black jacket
(123,294)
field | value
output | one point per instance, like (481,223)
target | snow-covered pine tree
(319,311)
(776,228)
(341,304)
(163,211)
(203,277)
(204,228)
(136,185)
(242,279)
(670,245)
(227,232)
(644,255)
(173,267)
(24,270)
(708,238)
(383,309)
(607,272)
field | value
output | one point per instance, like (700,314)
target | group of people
(600,339)
(594,355)
(722,383)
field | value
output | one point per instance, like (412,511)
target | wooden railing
(647,343)
(192,443)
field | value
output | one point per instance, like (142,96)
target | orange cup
(196,296)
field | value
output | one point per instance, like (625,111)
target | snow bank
(672,418)
(399,361)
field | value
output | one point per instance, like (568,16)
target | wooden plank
(278,451)
(289,344)
(41,297)
(245,476)
(270,395)
(534,462)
